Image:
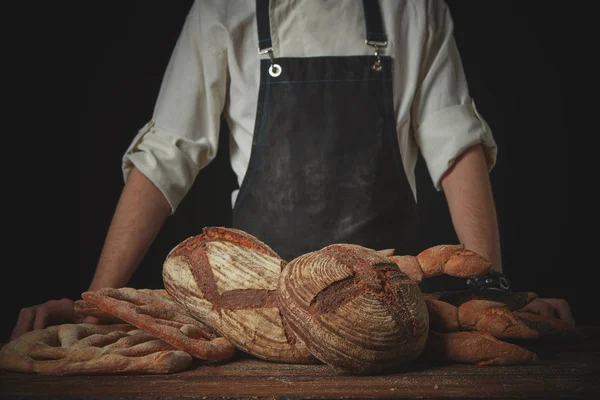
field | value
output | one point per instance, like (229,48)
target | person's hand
(49,313)
(552,308)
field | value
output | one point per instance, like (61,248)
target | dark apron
(325,166)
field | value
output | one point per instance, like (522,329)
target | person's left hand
(552,308)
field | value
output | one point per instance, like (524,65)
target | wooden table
(565,370)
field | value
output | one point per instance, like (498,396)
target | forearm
(471,204)
(139,215)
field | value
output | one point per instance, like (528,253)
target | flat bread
(86,349)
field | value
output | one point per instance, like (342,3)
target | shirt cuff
(163,159)
(446,134)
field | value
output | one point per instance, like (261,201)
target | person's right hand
(49,313)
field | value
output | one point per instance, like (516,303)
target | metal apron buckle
(274,69)
(377,45)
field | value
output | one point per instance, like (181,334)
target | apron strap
(264,26)
(373,21)
(375,33)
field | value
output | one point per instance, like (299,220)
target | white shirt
(214,71)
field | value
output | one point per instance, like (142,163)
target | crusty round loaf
(354,308)
(226,279)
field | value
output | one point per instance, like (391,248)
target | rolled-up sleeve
(183,134)
(445,119)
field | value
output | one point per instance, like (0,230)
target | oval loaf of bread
(226,278)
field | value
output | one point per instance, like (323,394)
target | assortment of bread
(356,309)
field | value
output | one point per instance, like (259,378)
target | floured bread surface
(162,317)
(230,263)
(85,349)
(227,279)
(354,309)
(84,309)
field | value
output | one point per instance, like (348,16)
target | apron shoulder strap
(374,23)
(264,26)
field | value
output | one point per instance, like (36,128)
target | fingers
(41,318)
(91,320)
(546,309)
(562,309)
(25,322)
(551,308)
(42,315)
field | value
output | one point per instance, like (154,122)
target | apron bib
(325,165)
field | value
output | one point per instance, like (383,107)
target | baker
(328,105)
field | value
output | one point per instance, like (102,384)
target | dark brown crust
(169,323)
(244,299)
(238,237)
(333,296)
(187,245)
(290,336)
(194,254)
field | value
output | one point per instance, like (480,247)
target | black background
(96,74)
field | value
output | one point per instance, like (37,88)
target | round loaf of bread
(354,309)
(226,278)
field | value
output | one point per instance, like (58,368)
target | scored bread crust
(227,278)
(354,309)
